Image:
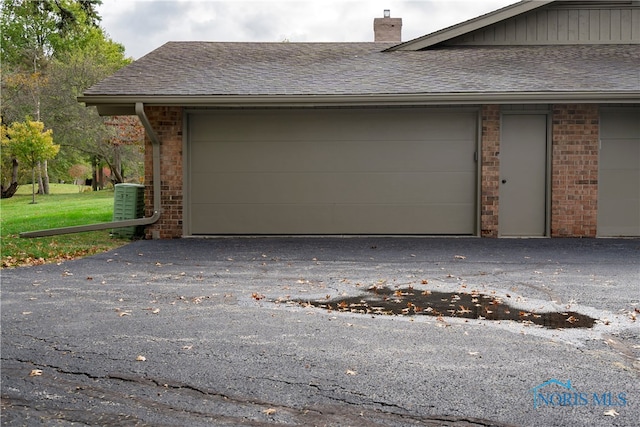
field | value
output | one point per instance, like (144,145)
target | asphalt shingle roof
(213,68)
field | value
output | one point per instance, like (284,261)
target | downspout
(155,142)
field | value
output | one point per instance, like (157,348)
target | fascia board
(122,105)
(470,25)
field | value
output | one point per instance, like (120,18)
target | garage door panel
(619,174)
(623,218)
(611,188)
(338,188)
(323,219)
(620,124)
(328,125)
(620,154)
(386,171)
(335,156)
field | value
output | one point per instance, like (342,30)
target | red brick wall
(490,183)
(574,170)
(167,123)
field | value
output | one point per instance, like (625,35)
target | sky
(144,25)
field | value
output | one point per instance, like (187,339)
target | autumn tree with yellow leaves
(30,144)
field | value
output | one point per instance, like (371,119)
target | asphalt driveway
(260,331)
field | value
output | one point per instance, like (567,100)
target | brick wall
(387,29)
(167,123)
(490,184)
(574,170)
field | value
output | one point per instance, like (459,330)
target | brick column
(574,175)
(167,123)
(490,170)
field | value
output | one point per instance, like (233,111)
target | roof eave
(125,105)
(470,25)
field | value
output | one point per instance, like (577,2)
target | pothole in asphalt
(474,305)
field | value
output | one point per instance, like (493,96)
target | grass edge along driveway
(65,206)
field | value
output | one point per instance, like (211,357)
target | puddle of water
(473,305)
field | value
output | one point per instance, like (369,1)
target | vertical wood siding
(561,26)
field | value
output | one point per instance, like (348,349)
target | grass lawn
(65,206)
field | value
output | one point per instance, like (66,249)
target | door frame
(532,110)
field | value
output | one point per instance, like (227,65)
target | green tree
(35,32)
(31,144)
(8,180)
(83,135)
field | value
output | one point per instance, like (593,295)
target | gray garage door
(332,171)
(619,175)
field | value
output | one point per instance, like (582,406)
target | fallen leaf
(269,411)
(473,353)
(350,372)
(256,296)
(187,347)
(460,257)
(27,312)
(611,413)
(141,358)
(464,310)
(35,373)
(425,282)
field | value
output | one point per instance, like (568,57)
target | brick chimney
(387,29)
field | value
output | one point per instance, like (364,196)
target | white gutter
(155,142)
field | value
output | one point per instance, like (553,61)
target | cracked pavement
(203,332)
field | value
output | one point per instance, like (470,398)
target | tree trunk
(14,170)
(94,174)
(116,170)
(100,178)
(40,183)
(9,191)
(33,186)
(45,181)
